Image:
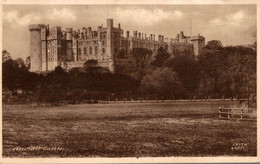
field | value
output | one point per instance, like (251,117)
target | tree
(210,66)
(188,70)
(214,45)
(5,56)
(243,70)
(161,56)
(142,57)
(91,63)
(162,82)
(54,87)
(20,62)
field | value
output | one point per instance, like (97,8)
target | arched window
(96,50)
(79,51)
(103,50)
(90,50)
(85,51)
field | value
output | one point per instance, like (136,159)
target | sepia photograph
(126,80)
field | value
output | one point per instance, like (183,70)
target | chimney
(139,35)
(127,34)
(151,36)
(119,25)
(84,31)
(135,34)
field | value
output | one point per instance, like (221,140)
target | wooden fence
(230,112)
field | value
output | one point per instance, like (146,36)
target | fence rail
(227,112)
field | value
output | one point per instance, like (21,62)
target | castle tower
(75,46)
(198,43)
(110,46)
(44,41)
(36,47)
(109,38)
(54,48)
(69,47)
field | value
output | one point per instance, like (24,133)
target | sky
(231,24)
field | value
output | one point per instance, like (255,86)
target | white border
(135,160)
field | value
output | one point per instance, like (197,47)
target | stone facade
(54,47)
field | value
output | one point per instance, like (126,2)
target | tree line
(217,72)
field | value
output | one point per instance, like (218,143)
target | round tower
(36,47)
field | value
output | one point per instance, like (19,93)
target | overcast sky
(231,24)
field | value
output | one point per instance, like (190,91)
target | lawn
(125,130)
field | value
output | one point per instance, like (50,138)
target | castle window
(79,51)
(90,50)
(103,50)
(96,50)
(85,50)
(103,42)
(104,36)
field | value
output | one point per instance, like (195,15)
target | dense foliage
(217,72)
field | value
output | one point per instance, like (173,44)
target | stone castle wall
(54,47)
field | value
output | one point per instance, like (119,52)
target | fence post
(228,114)
(219,112)
(194,98)
(241,117)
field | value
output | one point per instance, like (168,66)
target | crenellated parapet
(36,27)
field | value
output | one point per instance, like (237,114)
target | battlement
(197,38)
(36,27)
(181,44)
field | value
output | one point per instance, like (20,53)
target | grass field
(125,130)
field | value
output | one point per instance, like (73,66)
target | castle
(54,47)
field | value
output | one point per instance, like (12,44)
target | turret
(198,43)
(135,34)
(69,33)
(109,42)
(36,47)
(84,32)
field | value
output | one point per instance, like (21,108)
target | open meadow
(125,130)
